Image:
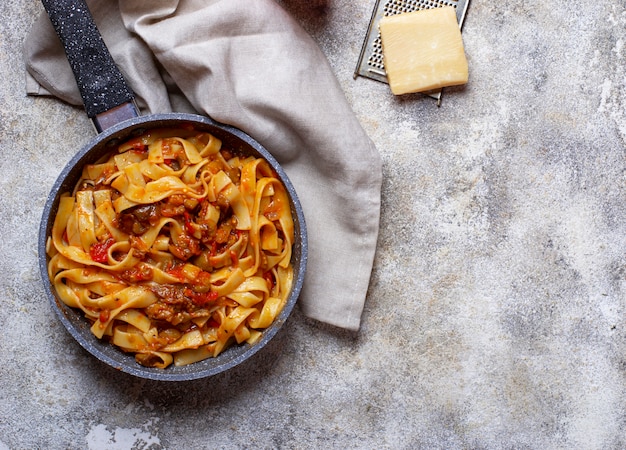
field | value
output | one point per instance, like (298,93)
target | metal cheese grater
(371,63)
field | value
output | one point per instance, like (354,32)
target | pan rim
(235,355)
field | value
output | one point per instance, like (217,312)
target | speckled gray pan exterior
(74,321)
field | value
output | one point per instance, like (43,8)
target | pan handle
(100,82)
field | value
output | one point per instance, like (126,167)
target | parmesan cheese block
(423,50)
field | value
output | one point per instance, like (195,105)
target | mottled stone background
(495,314)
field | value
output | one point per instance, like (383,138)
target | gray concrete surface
(495,315)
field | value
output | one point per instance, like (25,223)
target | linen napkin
(251,65)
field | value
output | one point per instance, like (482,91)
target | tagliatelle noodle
(174,248)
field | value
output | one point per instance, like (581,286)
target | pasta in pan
(174,247)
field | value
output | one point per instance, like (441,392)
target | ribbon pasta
(174,247)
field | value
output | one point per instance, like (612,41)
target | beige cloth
(249,64)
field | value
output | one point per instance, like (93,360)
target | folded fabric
(250,65)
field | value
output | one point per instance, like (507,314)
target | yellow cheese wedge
(423,50)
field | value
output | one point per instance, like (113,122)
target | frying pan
(109,103)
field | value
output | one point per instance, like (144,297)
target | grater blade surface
(370,63)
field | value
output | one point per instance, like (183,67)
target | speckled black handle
(101,84)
